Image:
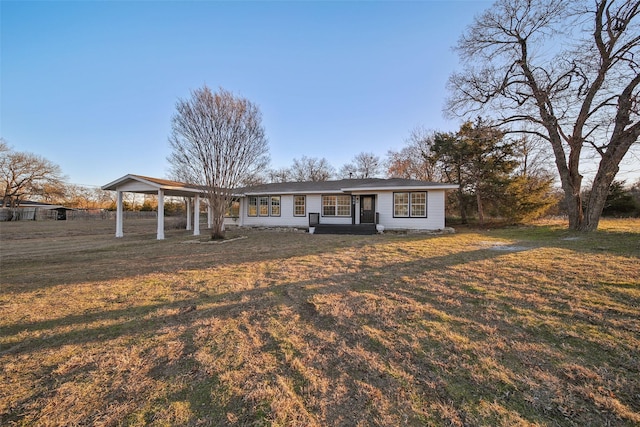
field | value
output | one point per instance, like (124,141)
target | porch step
(360,229)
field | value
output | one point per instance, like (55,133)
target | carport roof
(148,185)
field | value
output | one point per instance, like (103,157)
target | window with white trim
(299,205)
(336,205)
(410,204)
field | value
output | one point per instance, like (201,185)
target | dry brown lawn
(520,326)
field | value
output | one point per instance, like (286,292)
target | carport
(161,187)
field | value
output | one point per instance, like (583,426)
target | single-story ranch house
(392,204)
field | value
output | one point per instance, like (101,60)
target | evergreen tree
(620,201)
(479,159)
(527,198)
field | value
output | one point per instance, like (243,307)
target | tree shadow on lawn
(144,322)
(81,262)
(625,243)
(208,297)
(76,260)
(412,342)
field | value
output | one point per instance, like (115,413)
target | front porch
(353,228)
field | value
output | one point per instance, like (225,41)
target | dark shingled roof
(175,188)
(343,185)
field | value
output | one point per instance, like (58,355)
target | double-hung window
(253,206)
(336,205)
(264,206)
(299,205)
(410,204)
(418,205)
(275,206)
(401,204)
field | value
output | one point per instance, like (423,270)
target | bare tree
(279,175)
(532,157)
(311,169)
(217,142)
(103,199)
(413,161)
(53,192)
(25,175)
(363,165)
(81,197)
(583,99)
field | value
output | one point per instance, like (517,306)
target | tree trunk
(571,182)
(463,208)
(217,202)
(480,209)
(217,228)
(218,231)
(574,210)
(461,199)
(595,205)
(620,143)
(599,190)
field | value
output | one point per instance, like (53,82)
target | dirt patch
(215,242)
(508,248)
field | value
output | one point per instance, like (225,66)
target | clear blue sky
(92,85)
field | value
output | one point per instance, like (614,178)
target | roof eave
(292,192)
(402,188)
(113,186)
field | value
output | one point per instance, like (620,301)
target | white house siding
(433,221)
(136,186)
(286,218)
(384,207)
(317,208)
(231,221)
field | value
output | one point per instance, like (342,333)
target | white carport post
(196,216)
(160,214)
(119,232)
(209,216)
(188,203)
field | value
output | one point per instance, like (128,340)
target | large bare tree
(311,169)
(25,175)
(567,71)
(219,143)
(279,175)
(363,165)
(413,161)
